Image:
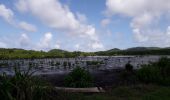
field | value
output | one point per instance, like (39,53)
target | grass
(121,92)
(137,92)
(23,86)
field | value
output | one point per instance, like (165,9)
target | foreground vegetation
(79,78)
(23,86)
(158,72)
(151,82)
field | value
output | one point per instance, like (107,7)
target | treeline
(32,54)
(57,53)
(135,52)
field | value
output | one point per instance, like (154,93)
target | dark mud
(101,78)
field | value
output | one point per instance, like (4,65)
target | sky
(84,25)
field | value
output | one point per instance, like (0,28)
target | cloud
(137,7)
(21,5)
(28,27)
(58,16)
(146,18)
(168,30)
(81,17)
(57,45)
(77,46)
(141,21)
(89,46)
(96,45)
(138,36)
(105,22)
(6,13)
(24,40)
(45,42)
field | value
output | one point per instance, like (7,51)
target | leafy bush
(158,72)
(129,67)
(23,86)
(78,78)
(128,76)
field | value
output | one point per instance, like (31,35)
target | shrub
(23,86)
(128,76)
(78,78)
(129,67)
(158,72)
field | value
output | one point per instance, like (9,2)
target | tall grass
(23,86)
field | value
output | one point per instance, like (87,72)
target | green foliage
(57,53)
(158,72)
(129,67)
(128,76)
(136,51)
(23,86)
(31,54)
(78,78)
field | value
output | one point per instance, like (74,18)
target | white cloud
(142,21)
(146,17)
(90,31)
(137,7)
(24,40)
(6,13)
(77,46)
(28,27)
(138,36)
(168,30)
(128,7)
(51,12)
(58,16)
(45,42)
(57,46)
(105,22)
(96,45)
(89,46)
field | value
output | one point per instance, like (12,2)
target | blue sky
(85,25)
